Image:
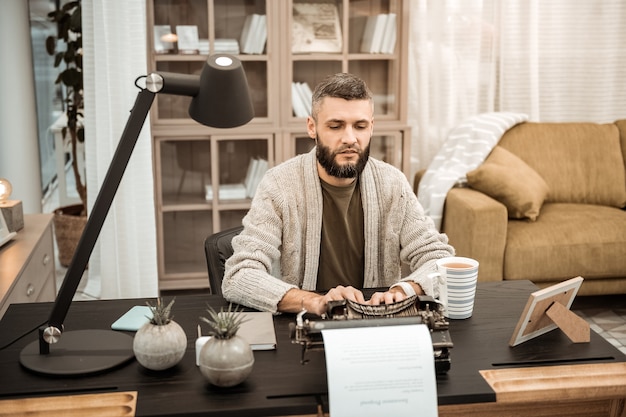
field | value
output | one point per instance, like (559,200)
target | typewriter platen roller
(348,314)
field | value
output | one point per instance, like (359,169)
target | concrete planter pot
(226,362)
(160,347)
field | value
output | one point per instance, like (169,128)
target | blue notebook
(133,319)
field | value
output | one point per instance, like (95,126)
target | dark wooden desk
(280,385)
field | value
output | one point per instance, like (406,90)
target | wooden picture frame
(549,308)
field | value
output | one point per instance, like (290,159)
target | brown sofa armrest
(476,226)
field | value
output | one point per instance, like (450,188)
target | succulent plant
(161,313)
(224,324)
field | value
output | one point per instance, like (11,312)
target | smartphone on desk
(133,319)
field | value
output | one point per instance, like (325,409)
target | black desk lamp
(220,99)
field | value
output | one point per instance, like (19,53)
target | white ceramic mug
(457,277)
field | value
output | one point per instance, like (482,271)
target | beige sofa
(547,205)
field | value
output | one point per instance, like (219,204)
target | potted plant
(226,359)
(160,343)
(70,221)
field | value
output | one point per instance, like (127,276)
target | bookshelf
(198,169)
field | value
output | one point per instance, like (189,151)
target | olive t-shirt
(342,246)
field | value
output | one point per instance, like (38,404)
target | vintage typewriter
(347,314)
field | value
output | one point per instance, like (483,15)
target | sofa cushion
(580,162)
(567,240)
(506,178)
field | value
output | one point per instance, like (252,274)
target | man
(324,224)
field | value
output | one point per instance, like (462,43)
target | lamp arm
(97,217)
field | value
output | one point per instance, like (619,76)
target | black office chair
(218,248)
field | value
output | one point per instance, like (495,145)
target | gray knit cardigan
(280,245)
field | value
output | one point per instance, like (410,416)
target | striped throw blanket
(465,149)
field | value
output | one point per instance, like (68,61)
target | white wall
(19,153)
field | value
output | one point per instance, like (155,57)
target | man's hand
(296,300)
(393,295)
(388,297)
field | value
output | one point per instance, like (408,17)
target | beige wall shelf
(188,157)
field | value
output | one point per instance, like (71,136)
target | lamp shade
(223,98)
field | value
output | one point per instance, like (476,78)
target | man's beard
(327,160)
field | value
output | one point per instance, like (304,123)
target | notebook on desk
(258,330)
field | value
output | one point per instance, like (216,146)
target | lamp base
(80,352)
(13,214)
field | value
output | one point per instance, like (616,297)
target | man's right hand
(296,300)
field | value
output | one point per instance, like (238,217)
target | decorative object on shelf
(226,359)
(316,28)
(11,210)
(164,39)
(161,343)
(70,221)
(188,42)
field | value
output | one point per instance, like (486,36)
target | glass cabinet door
(186,32)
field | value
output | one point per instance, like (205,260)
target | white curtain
(124,263)
(556,61)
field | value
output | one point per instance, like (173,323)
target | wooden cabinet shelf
(193,164)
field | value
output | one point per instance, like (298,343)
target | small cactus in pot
(160,343)
(226,359)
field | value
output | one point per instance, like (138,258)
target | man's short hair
(341,85)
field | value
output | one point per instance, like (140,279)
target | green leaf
(76,21)
(58,58)
(51,44)
(71,77)
(225,324)
(80,135)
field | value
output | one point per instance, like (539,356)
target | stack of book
(301,96)
(226,46)
(203,46)
(379,35)
(254,34)
(246,189)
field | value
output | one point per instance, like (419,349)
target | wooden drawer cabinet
(27,268)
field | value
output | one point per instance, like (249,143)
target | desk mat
(105,404)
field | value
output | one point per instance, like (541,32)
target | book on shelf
(259,167)
(246,189)
(254,34)
(373,34)
(301,96)
(203,46)
(316,28)
(163,39)
(226,46)
(228,192)
(188,42)
(388,44)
